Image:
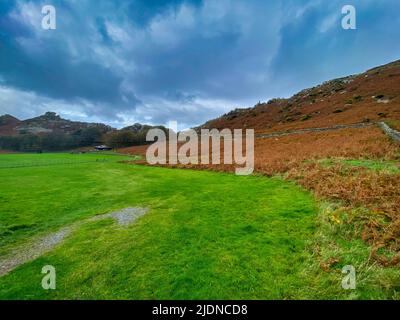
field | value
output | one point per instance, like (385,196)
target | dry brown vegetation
(278,155)
(378,192)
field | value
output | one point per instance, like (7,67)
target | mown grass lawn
(207,235)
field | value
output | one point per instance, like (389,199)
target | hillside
(141,129)
(49,122)
(7,124)
(328,140)
(51,132)
(367,97)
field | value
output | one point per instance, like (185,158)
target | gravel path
(45,244)
(33,251)
(123,217)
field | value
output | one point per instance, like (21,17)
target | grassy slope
(208,235)
(48,191)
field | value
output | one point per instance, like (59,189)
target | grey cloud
(154,61)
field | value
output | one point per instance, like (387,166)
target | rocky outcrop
(49,122)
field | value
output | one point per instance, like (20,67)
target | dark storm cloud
(45,65)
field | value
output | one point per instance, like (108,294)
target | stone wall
(395,135)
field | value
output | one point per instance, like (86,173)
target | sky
(153,61)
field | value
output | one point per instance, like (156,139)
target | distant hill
(49,122)
(51,132)
(7,124)
(370,96)
(134,135)
(141,128)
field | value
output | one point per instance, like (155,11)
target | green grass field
(374,165)
(206,236)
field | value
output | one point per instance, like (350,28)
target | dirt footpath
(30,252)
